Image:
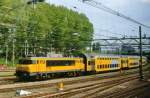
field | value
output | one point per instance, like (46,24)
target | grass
(9,63)
(4,74)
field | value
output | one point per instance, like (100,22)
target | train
(47,67)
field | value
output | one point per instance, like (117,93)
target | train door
(93,62)
(126,63)
(41,66)
(37,65)
(122,63)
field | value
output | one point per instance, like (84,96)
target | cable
(109,10)
(105,30)
(105,36)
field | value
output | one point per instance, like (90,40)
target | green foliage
(9,63)
(42,25)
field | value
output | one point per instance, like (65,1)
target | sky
(108,25)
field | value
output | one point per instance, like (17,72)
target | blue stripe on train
(114,63)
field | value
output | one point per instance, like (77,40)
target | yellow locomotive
(33,67)
(44,67)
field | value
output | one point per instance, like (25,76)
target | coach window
(113,65)
(116,65)
(89,63)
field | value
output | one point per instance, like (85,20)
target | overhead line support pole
(140,62)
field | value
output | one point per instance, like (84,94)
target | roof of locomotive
(52,58)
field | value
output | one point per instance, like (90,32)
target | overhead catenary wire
(105,36)
(111,11)
(108,31)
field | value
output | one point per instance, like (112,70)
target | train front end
(24,68)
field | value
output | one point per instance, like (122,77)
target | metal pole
(13,51)
(140,62)
(6,54)
(25,48)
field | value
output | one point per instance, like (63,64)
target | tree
(47,26)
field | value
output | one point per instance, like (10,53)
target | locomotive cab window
(26,62)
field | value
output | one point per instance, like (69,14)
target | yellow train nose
(24,68)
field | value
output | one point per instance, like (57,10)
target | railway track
(8,70)
(8,80)
(85,90)
(13,80)
(11,88)
(6,87)
(130,92)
